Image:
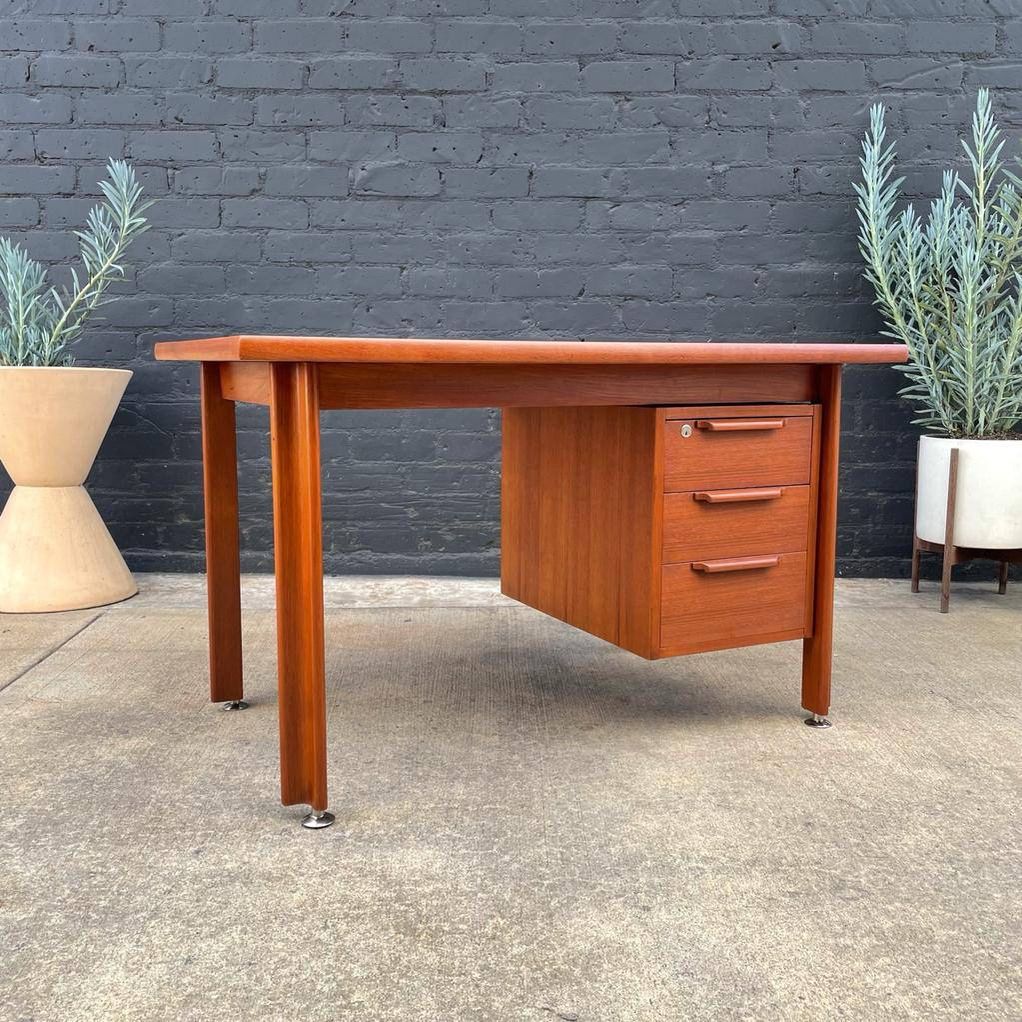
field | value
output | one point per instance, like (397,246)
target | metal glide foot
(318,820)
(817,720)
(235,704)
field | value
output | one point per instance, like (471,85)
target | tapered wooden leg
(298,561)
(223,565)
(817,650)
(949,532)
(945,578)
(1002,578)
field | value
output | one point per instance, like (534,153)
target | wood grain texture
(246,381)
(586,526)
(578,518)
(298,564)
(695,529)
(817,648)
(223,557)
(494,386)
(760,601)
(814,511)
(802,407)
(533,386)
(248,347)
(725,458)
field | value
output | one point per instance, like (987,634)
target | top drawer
(729,450)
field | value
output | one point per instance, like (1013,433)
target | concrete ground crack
(49,652)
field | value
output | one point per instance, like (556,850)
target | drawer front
(711,604)
(731,452)
(735,523)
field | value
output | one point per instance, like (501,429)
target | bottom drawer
(732,602)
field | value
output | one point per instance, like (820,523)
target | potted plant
(55,551)
(950,288)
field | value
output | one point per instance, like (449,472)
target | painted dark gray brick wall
(523,168)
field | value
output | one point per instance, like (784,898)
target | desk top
(255,348)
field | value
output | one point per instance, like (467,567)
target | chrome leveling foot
(317,820)
(817,720)
(235,704)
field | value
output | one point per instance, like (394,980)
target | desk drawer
(712,604)
(728,451)
(735,523)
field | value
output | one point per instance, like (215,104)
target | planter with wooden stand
(968,506)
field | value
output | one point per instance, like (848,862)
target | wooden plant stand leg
(298,562)
(223,563)
(949,532)
(817,649)
(917,551)
(1002,578)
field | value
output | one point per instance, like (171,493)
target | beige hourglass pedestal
(55,551)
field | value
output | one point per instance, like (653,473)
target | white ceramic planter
(55,551)
(988,502)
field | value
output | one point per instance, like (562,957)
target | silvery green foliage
(950,287)
(37,321)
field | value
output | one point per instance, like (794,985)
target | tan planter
(55,551)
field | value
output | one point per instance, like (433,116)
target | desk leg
(223,565)
(298,561)
(817,650)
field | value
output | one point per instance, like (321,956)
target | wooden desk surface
(391,350)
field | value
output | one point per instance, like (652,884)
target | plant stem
(83,291)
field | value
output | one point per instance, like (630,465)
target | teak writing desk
(667,497)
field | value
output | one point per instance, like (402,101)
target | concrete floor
(532,825)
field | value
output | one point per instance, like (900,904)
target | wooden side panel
(360,385)
(223,564)
(246,381)
(592,593)
(577,519)
(641,552)
(400,385)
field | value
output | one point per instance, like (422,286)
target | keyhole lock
(686,430)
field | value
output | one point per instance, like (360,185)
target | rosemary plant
(38,321)
(950,287)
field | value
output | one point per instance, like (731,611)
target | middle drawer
(735,523)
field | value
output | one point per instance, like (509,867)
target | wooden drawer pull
(738,425)
(736,564)
(736,496)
